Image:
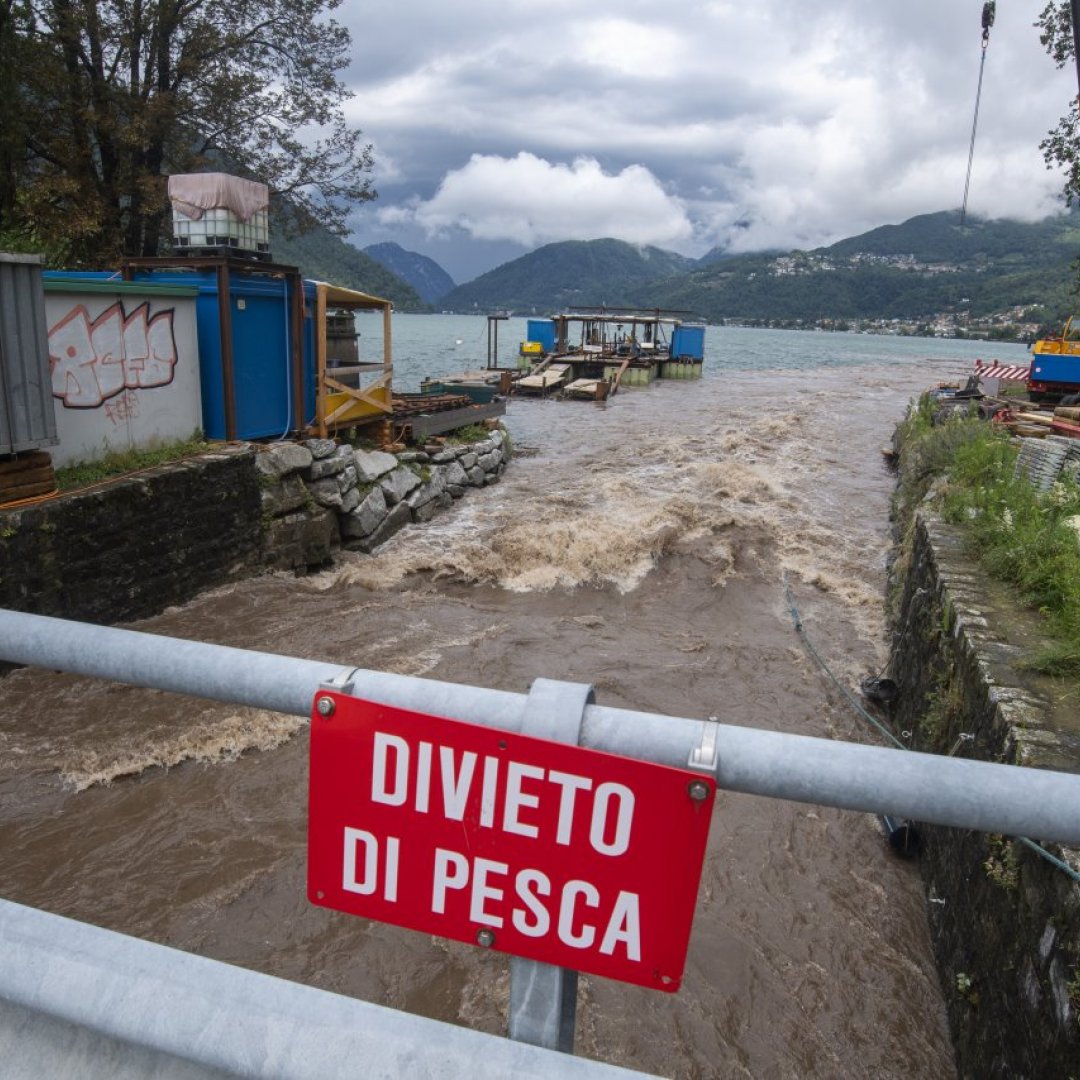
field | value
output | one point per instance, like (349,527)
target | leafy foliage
(1023,537)
(101,98)
(1062,144)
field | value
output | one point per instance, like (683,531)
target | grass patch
(466,435)
(1021,536)
(120,462)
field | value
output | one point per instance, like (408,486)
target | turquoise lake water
(433,345)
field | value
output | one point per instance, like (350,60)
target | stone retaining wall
(318,496)
(130,548)
(127,549)
(1005,922)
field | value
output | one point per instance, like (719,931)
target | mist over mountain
(916,270)
(926,266)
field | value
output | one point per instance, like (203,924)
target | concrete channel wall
(132,547)
(1005,921)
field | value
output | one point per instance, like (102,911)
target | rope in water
(801,631)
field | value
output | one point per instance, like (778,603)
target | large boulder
(455,475)
(397,519)
(280,459)
(371,464)
(302,541)
(328,466)
(397,485)
(321,448)
(425,493)
(366,517)
(326,493)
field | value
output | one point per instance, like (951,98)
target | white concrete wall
(124,366)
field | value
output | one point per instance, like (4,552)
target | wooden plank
(354,369)
(357,397)
(296,349)
(619,374)
(228,376)
(320,360)
(434,423)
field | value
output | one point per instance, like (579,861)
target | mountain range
(325,257)
(927,266)
(567,274)
(425,275)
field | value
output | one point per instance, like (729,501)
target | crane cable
(987,21)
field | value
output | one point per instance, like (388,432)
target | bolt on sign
(540,849)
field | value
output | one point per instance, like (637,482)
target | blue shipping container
(688,342)
(261,317)
(542,331)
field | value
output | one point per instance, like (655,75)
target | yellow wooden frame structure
(337,404)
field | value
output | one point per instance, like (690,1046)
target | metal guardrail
(952,791)
(224,1021)
(79,1001)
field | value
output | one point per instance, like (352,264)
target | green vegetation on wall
(1025,538)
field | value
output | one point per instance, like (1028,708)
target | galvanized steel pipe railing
(924,787)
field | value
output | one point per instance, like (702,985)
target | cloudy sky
(501,125)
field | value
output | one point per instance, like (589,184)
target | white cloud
(778,123)
(530,201)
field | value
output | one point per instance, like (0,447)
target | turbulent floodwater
(640,545)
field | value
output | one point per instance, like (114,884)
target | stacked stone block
(318,496)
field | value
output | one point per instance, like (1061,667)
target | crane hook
(988,11)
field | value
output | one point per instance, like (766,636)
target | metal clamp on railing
(706,755)
(341,683)
(543,997)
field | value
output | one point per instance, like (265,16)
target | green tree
(1062,145)
(103,98)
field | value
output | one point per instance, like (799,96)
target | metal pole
(543,997)
(1007,799)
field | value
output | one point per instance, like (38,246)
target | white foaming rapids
(215,741)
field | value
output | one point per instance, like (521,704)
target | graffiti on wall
(122,409)
(92,360)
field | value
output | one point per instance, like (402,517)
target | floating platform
(552,377)
(614,346)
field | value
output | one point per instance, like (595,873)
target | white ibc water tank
(219,213)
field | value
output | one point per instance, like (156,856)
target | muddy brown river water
(640,546)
